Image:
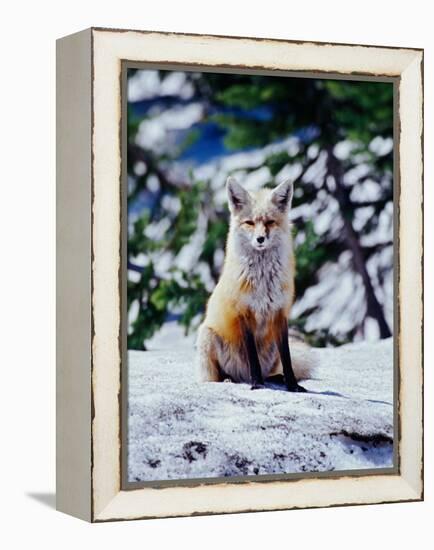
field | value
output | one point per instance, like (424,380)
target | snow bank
(179,428)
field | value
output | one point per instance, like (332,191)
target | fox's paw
(297,389)
(257,386)
(227,380)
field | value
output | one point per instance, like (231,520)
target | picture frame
(91,255)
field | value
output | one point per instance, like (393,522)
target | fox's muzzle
(260,234)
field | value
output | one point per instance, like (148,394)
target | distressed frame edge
(411,171)
(73,275)
(108,515)
(414,493)
(252,38)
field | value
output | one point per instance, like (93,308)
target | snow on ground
(179,428)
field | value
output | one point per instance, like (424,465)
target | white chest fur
(266,273)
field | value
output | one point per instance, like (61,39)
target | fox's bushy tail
(304,359)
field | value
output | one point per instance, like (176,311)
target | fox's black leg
(285,357)
(252,355)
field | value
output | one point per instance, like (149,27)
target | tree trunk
(352,240)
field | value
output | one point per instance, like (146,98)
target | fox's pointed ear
(237,195)
(282,195)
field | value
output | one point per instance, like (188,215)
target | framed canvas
(237,214)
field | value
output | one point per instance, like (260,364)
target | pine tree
(334,138)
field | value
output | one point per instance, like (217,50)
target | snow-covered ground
(180,428)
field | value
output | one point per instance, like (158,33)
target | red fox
(244,337)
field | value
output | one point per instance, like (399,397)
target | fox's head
(260,218)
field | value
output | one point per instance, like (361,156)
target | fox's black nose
(260,239)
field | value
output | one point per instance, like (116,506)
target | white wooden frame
(88,267)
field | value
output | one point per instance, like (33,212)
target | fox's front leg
(253,358)
(285,357)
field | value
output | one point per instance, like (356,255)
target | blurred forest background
(188,131)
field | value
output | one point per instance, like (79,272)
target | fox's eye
(249,222)
(269,223)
